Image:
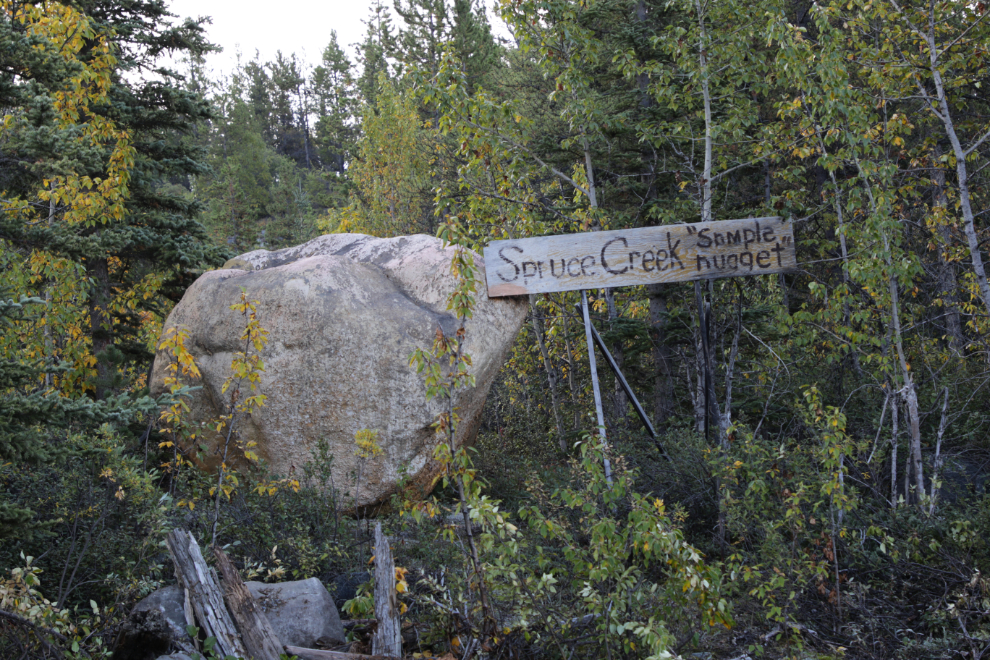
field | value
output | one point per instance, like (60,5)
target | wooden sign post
(649,255)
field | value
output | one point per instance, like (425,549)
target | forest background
(837,505)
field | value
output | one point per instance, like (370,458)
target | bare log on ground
(319,654)
(204,594)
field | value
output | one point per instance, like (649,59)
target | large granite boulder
(344,313)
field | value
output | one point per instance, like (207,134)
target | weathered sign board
(672,253)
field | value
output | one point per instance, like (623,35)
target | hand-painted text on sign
(673,253)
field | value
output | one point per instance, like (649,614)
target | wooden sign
(672,253)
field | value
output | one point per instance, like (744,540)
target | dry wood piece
(203,591)
(387,640)
(319,654)
(260,639)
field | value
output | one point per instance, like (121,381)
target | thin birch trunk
(705,185)
(938,451)
(619,395)
(698,387)
(843,248)
(571,383)
(947,283)
(907,473)
(909,392)
(962,180)
(705,192)
(893,451)
(767,199)
(725,417)
(940,108)
(600,415)
(47,332)
(551,374)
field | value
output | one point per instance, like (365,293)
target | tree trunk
(203,592)
(260,639)
(571,362)
(551,375)
(697,384)
(705,185)
(909,392)
(937,463)
(893,450)
(643,79)
(319,654)
(725,416)
(387,639)
(98,272)
(962,178)
(844,251)
(663,398)
(619,395)
(599,413)
(914,419)
(947,285)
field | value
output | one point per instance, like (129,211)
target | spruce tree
(79,193)
(158,232)
(373,53)
(289,112)
(332,88)
(472,41)
(428,24)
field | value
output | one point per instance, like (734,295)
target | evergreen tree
(428,25)
(47,136)
(332,89)
(236,187)
(431,26)
(473,43)
(143,230)
(32,417)
(373,53)
(254,77)
(289,109)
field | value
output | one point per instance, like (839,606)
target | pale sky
(293,26)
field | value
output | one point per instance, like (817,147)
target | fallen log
(260,639)
(319,654)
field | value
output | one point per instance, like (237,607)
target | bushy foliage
(836,506)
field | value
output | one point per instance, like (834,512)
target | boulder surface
(156,625)
(302,613)
(344,313)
